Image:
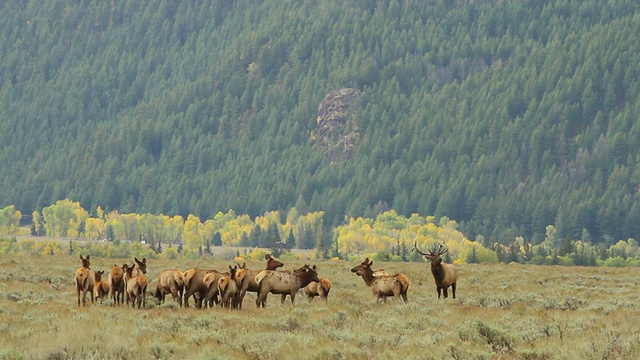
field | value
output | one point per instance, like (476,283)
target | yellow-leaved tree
(64,218)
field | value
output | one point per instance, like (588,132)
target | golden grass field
(501,312)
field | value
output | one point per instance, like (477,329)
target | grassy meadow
(501,312)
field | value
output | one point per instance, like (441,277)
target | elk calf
(444,275)
(101,288)
(383,286)
(85,280)
(320,289)
(228,289)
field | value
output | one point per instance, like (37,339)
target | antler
(415,247)
(440,250)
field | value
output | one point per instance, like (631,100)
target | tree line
(388,237)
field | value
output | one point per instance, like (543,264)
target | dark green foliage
(217,239)
(506,117)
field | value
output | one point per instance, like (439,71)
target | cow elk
(116,284)
(170,281)
(383,286)
(136,287)
(211,282)
(246,278)
(229,290)
(320,288)
(195,286)
(101,288)
(85,280)
(445,275)
(284,283)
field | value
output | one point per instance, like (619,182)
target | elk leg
(453,290)
(445,292)
(283,297)
(439,289)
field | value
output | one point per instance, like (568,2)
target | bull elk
(383,286)
(246,278)
(170,281)
(284,283)
(320,289)
(116,284)
(101,288)
(445,275)
(136,287)
(228,289)
(85,280)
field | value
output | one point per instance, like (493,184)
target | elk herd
(128,284)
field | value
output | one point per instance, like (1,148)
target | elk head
(99,275)
(232,271)
(272,263)
(363,268)
(142,265)
(86,261)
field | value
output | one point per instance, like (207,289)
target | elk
(320,289)
(445,275)
(85,280)
(229,290)
(116,284)
(194,286)
(211,282)
(136,287)
(383,286)
(284,283)
(141,266)
(170,281)
(101,288)
(246,278)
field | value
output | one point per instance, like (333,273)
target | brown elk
(246,278)
(101,288)
(229,290)
(195,286)
(136,288)
(116,284)
(445,275)
(85,280)
(211,281)
(170,281)
(320,289)
(383,286)
(284,283)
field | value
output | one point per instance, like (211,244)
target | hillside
(505,116)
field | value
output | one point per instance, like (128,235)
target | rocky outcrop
(336,130)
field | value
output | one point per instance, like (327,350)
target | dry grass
(502,312)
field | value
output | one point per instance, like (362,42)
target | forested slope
(505,116)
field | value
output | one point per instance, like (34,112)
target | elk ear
(81,258)
(314,267)
(144,260)
(371,263)
(88,257)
